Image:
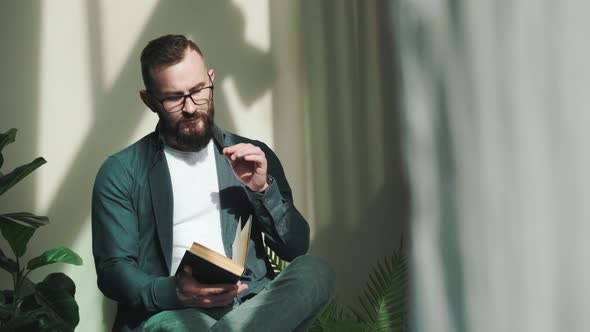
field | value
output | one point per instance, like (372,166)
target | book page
(240,245)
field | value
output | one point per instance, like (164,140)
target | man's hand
(249,164)
(194,294)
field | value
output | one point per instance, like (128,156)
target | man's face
(189,129)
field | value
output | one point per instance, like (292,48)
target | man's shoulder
(139,150)
(134,158)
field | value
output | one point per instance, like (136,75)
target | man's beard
(188,136)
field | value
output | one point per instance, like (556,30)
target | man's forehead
(190,70)
(191,59)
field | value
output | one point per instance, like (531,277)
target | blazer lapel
(229,188)
(162,204)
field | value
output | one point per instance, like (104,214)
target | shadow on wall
(19,93)
(362,194)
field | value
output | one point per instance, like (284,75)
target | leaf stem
(16,279)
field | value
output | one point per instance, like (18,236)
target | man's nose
(189,106)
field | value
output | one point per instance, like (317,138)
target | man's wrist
(269,181)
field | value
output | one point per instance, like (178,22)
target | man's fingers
(219,300)
(231,149)
(242,287)
(211,290)
(248,150)
(257,158)
(206,303)
(240,154)
(224,297)
(227,298)
(240,150)
(210,296)
(192,287)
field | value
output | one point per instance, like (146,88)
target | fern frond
(334,318)
(276,262)
(384,300)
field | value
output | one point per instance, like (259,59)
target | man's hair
(165,50)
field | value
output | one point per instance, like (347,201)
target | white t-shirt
(196,216)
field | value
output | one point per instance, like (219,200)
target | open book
(211,267)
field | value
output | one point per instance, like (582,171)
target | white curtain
(496,97)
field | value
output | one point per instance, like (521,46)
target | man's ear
(148,100)
(211,74)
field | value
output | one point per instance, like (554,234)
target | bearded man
(190,181)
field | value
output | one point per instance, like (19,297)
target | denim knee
(317,275)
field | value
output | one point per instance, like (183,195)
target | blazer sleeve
(115,244)
(286,231)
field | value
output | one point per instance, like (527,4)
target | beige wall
(315,80)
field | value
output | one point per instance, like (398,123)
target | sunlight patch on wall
(64,109)
(147,124)
(256,30)
(115,41)
(254,121)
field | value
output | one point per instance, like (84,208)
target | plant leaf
(55,293)
(384,300)
(25,218)
(276,262)
(344,325)
(55,255)
(8,296)
(38,307)
(332,318)
(62,281)
(6,263)
(383,318)
(6,311)
(12,178)
(38,319)
(48,325)
(27,287)
(23,322)
(29,303)
(17,235)
(5,139)
(17,228)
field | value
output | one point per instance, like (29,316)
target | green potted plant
(48,305)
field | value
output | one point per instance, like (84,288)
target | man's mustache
(195,116)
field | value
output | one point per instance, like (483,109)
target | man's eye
(173,99)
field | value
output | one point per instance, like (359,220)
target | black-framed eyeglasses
(201,96)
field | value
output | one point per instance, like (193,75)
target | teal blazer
(132,226)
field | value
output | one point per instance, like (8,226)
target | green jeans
(288,303)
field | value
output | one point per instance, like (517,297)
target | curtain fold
(352,121)
(495,96)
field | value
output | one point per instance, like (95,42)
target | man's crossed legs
(288,303)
